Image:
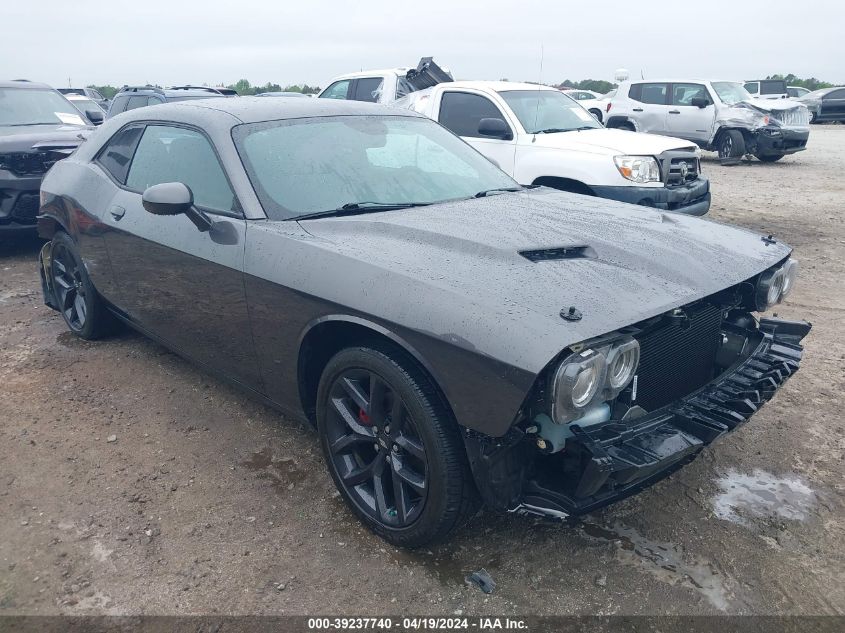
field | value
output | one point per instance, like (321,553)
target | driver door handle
(117,212)
(674,111)
(638,109)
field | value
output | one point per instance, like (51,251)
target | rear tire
(731,147)
(596,113)
(626,126)
(393,447)
(78,301)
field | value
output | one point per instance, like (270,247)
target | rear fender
(45,260)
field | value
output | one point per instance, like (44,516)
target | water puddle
(665,561)
(283,473)
(762,495)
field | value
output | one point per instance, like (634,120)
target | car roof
(258,109)
(381,72)
(24,83)
(680,80)
(498,86)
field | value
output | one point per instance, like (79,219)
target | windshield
(731,92)
(85,104)
(24,106)
(302,166)
(548,110)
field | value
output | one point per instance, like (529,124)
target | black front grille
(678,357)
(26,163)
(26,208)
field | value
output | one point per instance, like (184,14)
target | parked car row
(454,337)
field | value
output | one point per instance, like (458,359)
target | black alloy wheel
(393,447)
(69,287)
(376,449)
(73,293)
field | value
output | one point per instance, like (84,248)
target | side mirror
(495,127)
(168,198)
(175,198)
(95,116)
(700,102)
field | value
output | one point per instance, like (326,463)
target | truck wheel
(769,158)
(596,113)
(731,147)
(392,447)
(626,126)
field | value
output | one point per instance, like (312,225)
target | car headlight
(622,362)
(774,285)
(790,272)
(576,383)
(638,168)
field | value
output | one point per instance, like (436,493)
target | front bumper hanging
(619,459)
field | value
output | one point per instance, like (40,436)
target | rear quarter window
(653,93)
(117,153)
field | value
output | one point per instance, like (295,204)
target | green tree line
(243,87)
(810,84)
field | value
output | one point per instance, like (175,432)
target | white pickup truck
(540,136)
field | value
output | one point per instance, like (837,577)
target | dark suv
(131,97)
(37,127)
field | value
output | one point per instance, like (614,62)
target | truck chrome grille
(678,358)
(679,167)
(799,116)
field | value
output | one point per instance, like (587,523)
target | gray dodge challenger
(455,338)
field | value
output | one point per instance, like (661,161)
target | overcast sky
(188,41)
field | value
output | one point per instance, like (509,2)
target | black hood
(27,138)
(510,263)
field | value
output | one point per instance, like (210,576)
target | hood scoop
(559,252)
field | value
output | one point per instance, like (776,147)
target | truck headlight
(638,168)
(576,383)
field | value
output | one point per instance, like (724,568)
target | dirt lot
(130,482)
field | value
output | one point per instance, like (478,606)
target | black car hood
(33,137)
(461,265)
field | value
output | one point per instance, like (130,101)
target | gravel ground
(130,482)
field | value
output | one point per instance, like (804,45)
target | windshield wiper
(555,130)
(353,208)
(25,124)
(487,192)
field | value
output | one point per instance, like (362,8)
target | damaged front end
(616,414)
(767,131)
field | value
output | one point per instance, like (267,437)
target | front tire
(769,158)
(392,447)
(74,294)
(731,147)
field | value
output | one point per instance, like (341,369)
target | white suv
(540,136)
(716,115)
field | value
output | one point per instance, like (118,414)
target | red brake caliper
(363,417)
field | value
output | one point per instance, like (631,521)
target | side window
(683,94)
(154,101)
(772,88)
(461,112)
(118,105)
(836,94)
(117,154)
(653,93)
(96,94)
(368,89)
(752,87)
(403,87)
(173,154)
(137,102)
(338,90)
